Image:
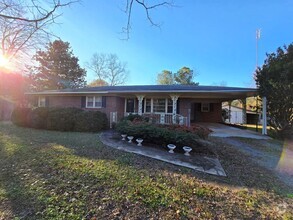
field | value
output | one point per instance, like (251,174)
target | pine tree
(58,68)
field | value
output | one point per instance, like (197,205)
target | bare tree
(148,7)
(108,68)
(24,25)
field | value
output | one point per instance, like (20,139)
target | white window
(148,105)
(205,107)
(158,105)
(42,101)
(94,102)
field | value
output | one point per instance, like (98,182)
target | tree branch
(144,5)
(43,15)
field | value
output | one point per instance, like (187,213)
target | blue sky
(215,38)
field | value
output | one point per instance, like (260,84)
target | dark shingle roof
(149,88)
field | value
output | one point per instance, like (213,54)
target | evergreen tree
(58,68)
(275,81)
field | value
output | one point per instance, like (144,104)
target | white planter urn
(171,148)
(123,136)
(130,139)
(187,150)
(139,141)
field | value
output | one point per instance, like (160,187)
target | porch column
(174,99)
(244,118)
(229,112)
(264,115)
(140,99)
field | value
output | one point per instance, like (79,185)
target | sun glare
(3,61)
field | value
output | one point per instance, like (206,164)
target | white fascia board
(141,91)
(65,93)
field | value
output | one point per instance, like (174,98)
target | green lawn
(58,175)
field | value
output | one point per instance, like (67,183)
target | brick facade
(113,104)
(117,104)
(196,115)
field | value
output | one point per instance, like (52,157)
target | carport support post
(229,104)
(140,99)
(264,115)
(244,118)
(174,99)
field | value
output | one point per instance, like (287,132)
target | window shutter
(211,107)
(35,101)
(83,101)
(177,108)
(104,101)
(199,107)
(47,102)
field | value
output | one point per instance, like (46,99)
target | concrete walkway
(221,130)
(196,162)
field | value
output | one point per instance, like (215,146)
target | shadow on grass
(70,172)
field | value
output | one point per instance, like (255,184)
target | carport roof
(182,90)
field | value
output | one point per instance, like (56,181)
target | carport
(222,130)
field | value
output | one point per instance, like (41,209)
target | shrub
(38,118)
(157,134)
(20,116)
(91,121)
(62,119)
(200,131)
(135,117)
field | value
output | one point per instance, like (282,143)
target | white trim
(39,101)
(142,91)
(152,105)
(94,102)
(207,105)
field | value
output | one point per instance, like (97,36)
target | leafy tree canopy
(183,76)
(97,82)
(166,77)
(275,81)
(58,68)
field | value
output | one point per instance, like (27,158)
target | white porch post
(140,99)
(174,99)
(264,115)
(244,118)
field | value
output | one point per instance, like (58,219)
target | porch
(163,118)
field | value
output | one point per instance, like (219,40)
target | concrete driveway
(221,130)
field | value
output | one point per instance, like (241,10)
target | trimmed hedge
(20,116)
(60,119)
(91,121)
(37,118)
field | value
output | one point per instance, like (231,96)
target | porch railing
(164,118)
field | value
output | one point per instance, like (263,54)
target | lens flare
(286,161)
(3,61)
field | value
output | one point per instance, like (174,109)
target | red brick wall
(215,115)
(113,104)
(184,105)
(65,101)
(117,104)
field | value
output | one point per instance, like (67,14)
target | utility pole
(257,39)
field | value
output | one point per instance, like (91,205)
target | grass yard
(58,175)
